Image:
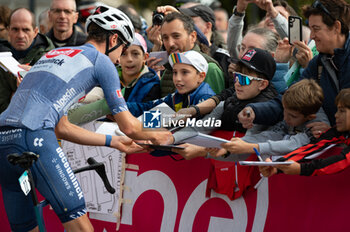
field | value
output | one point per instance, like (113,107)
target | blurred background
(145,7)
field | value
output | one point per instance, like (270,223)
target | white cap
(190,57)
(140,41)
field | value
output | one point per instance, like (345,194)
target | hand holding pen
(246,117)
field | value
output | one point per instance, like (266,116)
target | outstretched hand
(267,171)
(191,151)
(238,146)
(246,117)
(125,144)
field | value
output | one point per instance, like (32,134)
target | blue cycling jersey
(53,84)
(60,78)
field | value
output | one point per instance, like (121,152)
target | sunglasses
(245,79)
(124,44)
(319,5)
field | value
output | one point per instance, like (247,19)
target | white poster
(98,199)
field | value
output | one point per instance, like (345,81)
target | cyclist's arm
(133,128)
(70,132)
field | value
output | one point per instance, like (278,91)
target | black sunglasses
(319,5)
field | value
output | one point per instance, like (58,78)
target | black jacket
(233,106)
(76,39)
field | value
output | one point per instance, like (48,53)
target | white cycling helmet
(112,19)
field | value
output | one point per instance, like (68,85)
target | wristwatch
(235,12)
(198,113)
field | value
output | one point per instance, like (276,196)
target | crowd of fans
(278,96)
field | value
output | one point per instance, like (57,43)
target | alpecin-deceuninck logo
(152,119)
(63,51)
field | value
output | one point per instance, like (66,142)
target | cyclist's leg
(55,179)
(19,208)
(80,224)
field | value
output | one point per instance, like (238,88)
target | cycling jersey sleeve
(108,78)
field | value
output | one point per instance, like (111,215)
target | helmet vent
(108,18)
(99,21)
(117,17)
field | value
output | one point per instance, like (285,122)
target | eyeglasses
(319,5)
(245,79)
(122,43)
(65,11)
(242,48)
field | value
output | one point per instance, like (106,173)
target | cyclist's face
(115,55)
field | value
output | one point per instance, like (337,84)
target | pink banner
(168,195)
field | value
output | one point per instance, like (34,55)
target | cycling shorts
(52,174)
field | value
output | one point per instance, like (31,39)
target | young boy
(338,135)
(189,71)
(254,72)
(139,83)
(300,102)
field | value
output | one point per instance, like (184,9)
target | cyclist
(36,115)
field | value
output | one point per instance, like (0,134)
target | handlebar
(101,171)
(27,159)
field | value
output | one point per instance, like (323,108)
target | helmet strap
(113,48)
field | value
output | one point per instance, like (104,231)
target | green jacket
(40,46)
(215,77)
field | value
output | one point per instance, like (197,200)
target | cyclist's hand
(125,144)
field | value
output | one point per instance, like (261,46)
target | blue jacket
(278,79)
(269,113)
(143,85)
(174,100)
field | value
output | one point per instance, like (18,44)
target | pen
(258,154)
(248,113)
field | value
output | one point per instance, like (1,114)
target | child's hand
(191,151)
(216,152)
(317,128)
(238,146)
(292,169)
(246,117)
(267,171)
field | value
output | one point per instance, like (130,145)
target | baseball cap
(190,57)
(205,12)
(260,61)
(140,41)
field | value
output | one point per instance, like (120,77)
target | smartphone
(295,29)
